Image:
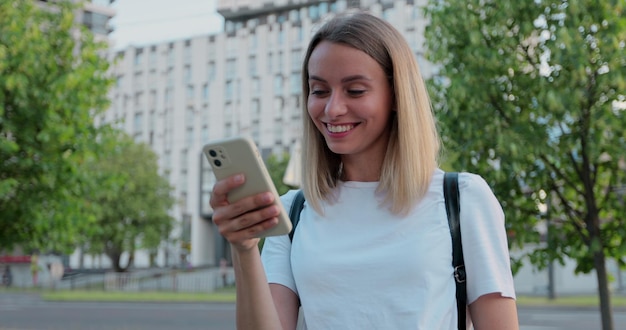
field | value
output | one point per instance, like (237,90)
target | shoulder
(475,194)
(473,183)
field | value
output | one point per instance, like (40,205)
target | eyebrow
(343,80)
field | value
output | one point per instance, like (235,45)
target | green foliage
(133,199)
(526,95)
(52,83)
(530,94)
(277,166)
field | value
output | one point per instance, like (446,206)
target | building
(95,15)
(246,80)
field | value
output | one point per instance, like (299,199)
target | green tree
(277,166)
(52,83)
(133,199)
(530,94)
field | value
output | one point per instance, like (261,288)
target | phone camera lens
(213,153)
(217,162)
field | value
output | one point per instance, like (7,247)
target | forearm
(255,307)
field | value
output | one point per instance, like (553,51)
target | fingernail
(238,178)
(267,197)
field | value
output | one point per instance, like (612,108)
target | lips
(339,128)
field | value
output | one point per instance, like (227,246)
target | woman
(373,249)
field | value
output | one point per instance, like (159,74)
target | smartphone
(240,155)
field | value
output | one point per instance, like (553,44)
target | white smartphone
(240,155)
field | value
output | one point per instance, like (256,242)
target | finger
(245,209)
(248,225)
(251,219)
(219,194)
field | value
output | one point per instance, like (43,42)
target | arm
(239,223)
(288,304)
(494,312)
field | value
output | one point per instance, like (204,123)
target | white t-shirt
(360,267)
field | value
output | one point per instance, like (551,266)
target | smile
(339,128)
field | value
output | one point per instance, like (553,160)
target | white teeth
(339,128)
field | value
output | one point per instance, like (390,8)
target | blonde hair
(413,147)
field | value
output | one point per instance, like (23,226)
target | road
(29,312)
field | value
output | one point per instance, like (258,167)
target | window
(190,117)
(294,15)
(255,86)
(281,37)
(184,161)
(187,74)
(205,134)
(152,100)
(153,57)
(151,121)
(138,123)
(270,63)
(230,90)
(190,93)
(314,14)
(139,101)
(138,80)
(169,82)
(252,66)
(255,109)
(295,84)
(167,99)
(138,56)
(187,51)
(280,59)
(170,55)
(97,23)
(231,69)
(189,139)
(278,85)
(205,92)
(211,71)
(296,60)
(254,41)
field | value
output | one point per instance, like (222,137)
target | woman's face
(350,101)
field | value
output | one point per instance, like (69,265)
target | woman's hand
(241,222)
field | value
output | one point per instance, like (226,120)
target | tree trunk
(599,261)
(115,260)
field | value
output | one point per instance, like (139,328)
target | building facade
(246,80)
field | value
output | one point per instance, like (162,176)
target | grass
(221,296)
(227,295)
(570,301)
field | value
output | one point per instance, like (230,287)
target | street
(29,312)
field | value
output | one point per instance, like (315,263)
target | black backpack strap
(294,212)
(453,209)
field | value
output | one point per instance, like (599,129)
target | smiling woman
(373,247)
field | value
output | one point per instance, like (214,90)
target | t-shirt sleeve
(485,247)
(276,254)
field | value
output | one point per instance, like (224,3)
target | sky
(144,22)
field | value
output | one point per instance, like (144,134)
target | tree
(277,166)
(134,200)
(530,95)
(52,83)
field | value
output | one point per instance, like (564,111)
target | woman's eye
(317,92)
(356,92)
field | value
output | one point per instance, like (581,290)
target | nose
(335,106)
